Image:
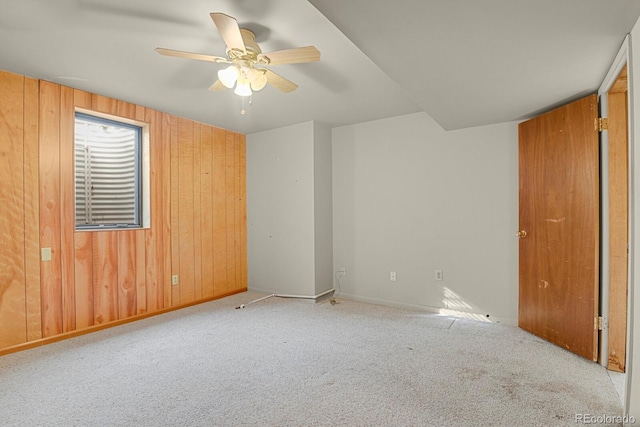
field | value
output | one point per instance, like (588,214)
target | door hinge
(599,323)
(601,123)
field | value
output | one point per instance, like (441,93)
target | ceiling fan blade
(217,86)
(189,55)
(292,56)
(229,31)
(280,82)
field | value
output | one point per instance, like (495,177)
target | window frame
(142,170)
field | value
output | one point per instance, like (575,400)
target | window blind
(106,164)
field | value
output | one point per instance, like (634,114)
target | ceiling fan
(246,71)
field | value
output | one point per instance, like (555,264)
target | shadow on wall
(456,306)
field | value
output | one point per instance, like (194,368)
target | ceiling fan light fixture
(243,54)
(243,87)
(228,76)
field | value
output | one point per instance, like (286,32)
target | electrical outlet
(392,276)
(174,279)
(45,254)
(439,275)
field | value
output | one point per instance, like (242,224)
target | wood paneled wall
(19,247)
(197,207)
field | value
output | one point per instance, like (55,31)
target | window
(108,177)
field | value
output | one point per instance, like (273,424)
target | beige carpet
(284,362)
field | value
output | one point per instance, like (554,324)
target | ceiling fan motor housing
(252,50)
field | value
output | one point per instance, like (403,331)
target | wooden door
(559,205)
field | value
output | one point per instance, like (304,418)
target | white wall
(289,211)
(323,207)
(280,210)
(412,198)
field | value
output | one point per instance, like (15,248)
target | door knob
(522,234)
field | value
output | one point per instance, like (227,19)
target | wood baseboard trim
(96,328)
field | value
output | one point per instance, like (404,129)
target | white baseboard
(430,309)
(313,298)
(262,290)
(407,306)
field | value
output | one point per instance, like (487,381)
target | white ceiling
(470,62)
(465,62)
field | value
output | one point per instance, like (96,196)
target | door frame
(621,59)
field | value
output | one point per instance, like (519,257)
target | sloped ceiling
(465,62)
(470,63)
